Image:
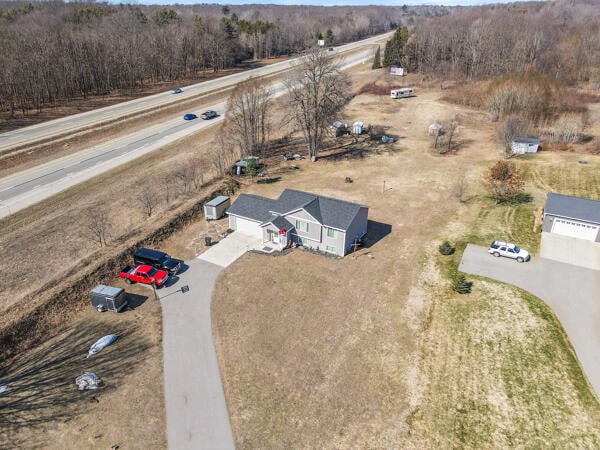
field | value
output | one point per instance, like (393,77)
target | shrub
(460,284)
(446,249)
(504,181)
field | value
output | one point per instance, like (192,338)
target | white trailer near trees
(402,93)
(215,209)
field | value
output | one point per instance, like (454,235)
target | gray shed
(108,298)
(215,209)
(521,145)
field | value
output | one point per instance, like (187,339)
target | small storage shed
(108,298)
(521,145)
(215,209)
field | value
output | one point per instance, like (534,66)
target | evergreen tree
(460,284)
(377,59)
(394,48)
(329,36)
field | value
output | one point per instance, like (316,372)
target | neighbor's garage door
(248,227)
(575,229)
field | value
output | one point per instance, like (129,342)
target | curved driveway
(572,292)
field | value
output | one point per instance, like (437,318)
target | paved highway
(23,189)
(53,129)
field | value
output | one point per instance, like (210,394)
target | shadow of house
(41,385)
(376,231)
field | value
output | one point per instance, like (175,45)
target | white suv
(499,248)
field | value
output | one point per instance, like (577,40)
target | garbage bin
(207,241)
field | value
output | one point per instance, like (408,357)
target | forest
(53,52)
(56,51)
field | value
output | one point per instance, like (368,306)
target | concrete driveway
(197,415)
(570,250)
(227,250)
(573,293)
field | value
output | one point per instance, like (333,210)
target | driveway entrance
(571,291)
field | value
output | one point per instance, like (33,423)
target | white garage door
(248,227)
(575,229)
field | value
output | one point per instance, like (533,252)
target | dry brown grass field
(375,350)
(372,350)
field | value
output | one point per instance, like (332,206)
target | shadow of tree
(41,385)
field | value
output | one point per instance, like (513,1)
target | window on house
(330,232)
(330,249)
(302,226)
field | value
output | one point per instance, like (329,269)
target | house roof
(328,211)
(252,207)
(280,223)
(572,207)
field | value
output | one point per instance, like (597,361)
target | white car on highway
(508,249)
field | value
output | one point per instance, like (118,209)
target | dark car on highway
(177,91)
(190,116)
(210,114)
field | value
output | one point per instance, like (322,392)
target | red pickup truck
(144,274)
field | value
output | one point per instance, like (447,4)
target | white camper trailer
(402,93)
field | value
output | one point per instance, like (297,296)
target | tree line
(55,51)
(559,39)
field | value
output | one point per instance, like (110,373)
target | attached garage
(572,216)
(575,229)
(249,227)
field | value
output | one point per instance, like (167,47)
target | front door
(274,237)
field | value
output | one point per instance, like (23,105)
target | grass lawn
(377,351)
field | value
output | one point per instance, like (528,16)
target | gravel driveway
(572,292)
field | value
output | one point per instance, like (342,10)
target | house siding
(336,242)
(357,229)
(314,227)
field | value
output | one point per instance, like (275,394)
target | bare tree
(223,152)
(248,116)
(184,176)
(317,92)
(148,201)
(512,127)
(196,174)
(459,189)
(167,186)
(97,224)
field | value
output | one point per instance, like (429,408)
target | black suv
(157,259)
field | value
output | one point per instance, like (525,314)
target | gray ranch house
(572,216)
(314,221)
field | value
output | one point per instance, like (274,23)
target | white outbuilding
(522,145)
